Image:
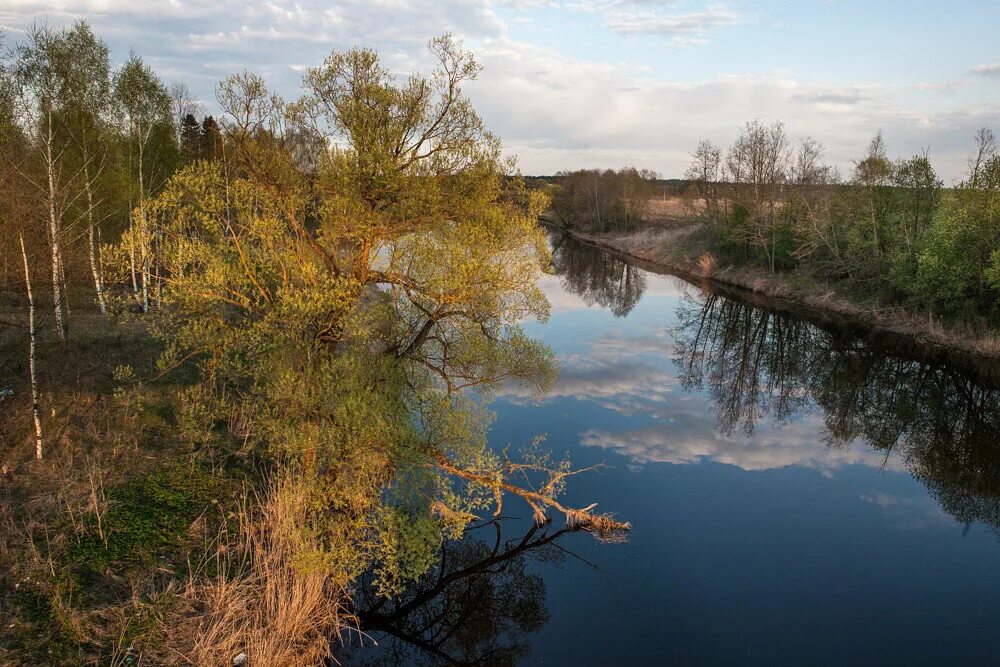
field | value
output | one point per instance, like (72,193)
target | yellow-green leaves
(351,307)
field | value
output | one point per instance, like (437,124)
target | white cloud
(561,113)
(908,513)
(685,437)
(679,28)
(991,71)
(554,111)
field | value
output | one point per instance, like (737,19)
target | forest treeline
(604,200)
(890,228)
(251,352)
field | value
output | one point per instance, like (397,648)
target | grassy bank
(683,246)
(101,537)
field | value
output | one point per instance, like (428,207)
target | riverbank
(679,247)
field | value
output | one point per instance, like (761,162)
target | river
(798,495)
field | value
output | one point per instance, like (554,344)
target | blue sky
(582,83)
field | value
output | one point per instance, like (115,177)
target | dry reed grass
(706,264)
(266,600)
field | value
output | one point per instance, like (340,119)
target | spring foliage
(350,280)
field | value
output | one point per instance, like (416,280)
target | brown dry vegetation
(264,601)
(97,536)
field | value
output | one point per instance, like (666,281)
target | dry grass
(266,601)
(706,264)
(668,208)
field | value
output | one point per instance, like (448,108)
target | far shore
(671,246)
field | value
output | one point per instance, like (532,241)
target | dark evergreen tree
(211,139)
(190,138)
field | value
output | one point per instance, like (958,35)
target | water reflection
(597,276)
(479,605)
(811,544)
(759,365)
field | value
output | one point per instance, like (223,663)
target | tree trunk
(144,249)
(36,408)
(131,258)
(94,264)
(54,231)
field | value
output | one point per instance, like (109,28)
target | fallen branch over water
(604,526)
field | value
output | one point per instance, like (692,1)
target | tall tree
(183,104)
(190,138)
(351,313)
(42,69)
(145,107)
(210,139)
(36,410)
(704,172)
(86,105)
(757,164)
(984,150)
(873,175)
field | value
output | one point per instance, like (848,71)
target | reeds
(267,599)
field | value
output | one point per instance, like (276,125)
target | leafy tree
(704,172)
(757,166)
(959,262)
(42,68)
(145,108)
(86,104)
(355,317)
(603,201)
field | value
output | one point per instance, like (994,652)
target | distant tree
(86,105)
(757,165)
(918,193)
(604,200)
(704,172)
(183,104)
(190,138)
(984,150)
(211,139)
(807,167)
(873,175)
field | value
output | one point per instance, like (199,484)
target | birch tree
(757,165)
(704,172)
(40,67)
(144,105)
(36,409)
(87,104)
(183,104)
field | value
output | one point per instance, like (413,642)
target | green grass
(146,526)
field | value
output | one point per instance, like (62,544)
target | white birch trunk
(54,231)
(36,408)
(144,256)
(94,250)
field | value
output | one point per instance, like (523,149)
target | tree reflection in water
(756,364)
(477,606)
(596,276)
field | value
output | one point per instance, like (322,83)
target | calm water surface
(797,497)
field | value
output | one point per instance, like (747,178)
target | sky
(570,84)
